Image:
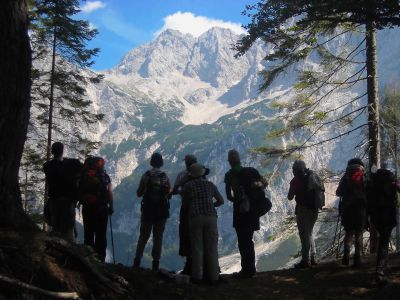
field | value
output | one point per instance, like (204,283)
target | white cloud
(187,22)
(91,6)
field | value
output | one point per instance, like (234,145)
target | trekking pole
(112,240)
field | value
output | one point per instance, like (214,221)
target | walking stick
(112,240)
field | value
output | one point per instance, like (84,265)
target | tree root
(90,268)
(31,288)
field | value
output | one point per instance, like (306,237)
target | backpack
(385,193)
(355,187)
(155,202)
(315,190)
(253,192)
(93,182)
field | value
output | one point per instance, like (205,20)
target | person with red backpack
(353,208)
(382,204)
(155,189)
(96,198)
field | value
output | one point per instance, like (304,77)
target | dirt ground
(46,262)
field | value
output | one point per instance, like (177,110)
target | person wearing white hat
(198,195)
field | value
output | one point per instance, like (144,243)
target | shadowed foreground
(51,264)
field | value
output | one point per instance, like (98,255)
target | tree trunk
(15,67)
(374,151)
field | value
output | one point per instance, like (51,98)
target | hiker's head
(233,157)
(355,161)
(156,160)
(57,149)
(190,159)
(299,168)
(196,170)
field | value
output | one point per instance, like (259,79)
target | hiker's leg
(358,246)
(145,231)
(246,249)
(303,226)
(383,249)
(210,237)
(101,235)
(196,241)
(88,225)
(313,250)
(158,231)
(347,243)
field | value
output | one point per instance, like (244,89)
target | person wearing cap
(154,187)
(244,223)
(184,236)
(61,176)
(306,213)
(198,200)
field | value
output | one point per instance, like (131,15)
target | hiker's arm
(291,192)
(340,189)
(218,197)
(228,191)
(142,187)
(110,199)
(177,185)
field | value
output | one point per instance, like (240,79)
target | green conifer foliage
(61,62)
(299,29)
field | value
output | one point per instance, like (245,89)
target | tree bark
(15,67)
(374,151)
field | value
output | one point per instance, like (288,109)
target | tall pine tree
(60,106)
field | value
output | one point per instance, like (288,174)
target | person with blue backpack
(154,189)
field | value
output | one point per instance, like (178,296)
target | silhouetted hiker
(353,208)
(184,237)
(244,221)
(382,203)
(198,195)
(303,187)
(61,176)
(96,198)
(154,187)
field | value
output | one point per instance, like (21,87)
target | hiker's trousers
(204,243)
(246,249)
(146,227)
(95,221)
(306,219)
(383,248)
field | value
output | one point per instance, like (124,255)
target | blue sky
(125,24)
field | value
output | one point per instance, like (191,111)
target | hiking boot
(136,263)
(345,260)
(303,264)
(243,275)
(357,261)
(380,279)
(313,261)
(155,266)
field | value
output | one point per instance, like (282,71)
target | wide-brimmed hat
(190,159)
(196,170)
